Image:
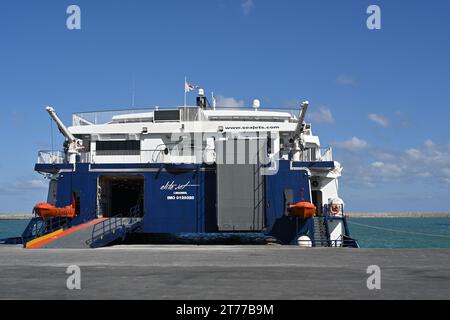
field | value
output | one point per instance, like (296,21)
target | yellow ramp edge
(43,238)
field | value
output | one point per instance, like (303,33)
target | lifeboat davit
(47,211)
(303,210)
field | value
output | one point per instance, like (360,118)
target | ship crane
(72,144)
(297,139)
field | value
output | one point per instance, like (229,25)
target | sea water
(370,232)
(401,232)
(12,228)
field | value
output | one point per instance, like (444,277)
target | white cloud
(410,166)
(391,170)
(425,174)
(429,143)
(446,172)
(378,164)
(345,80)
(22,186)
(30,184)
(384,156)
(414,154)
(225,102)
(37,184)
(324,115)
(354,144)
(248,6)
(379,119)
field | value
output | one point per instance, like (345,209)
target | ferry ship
(133,176)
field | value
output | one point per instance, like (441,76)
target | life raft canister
(303,210)
(47,211)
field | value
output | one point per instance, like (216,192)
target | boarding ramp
(72,237)
(73,240)
(37,227)
(108,231)
(93,234)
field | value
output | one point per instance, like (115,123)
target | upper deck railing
(160,156)
(51,157)
(316,154)
(187,114)
(103,117)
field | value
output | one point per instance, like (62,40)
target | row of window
(111,148)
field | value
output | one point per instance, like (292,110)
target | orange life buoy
(335,210)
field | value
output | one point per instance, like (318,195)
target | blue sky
(379,97)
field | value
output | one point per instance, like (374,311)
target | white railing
(51,157)
(327,154)
(317,154)
(159,155)
(120,156)
(103,117)
(187,114)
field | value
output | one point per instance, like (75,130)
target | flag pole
(185,81)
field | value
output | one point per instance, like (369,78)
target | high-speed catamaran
(133,176)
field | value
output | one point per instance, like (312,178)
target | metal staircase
(116,228)
(321,238)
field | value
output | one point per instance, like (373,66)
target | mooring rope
(399,231)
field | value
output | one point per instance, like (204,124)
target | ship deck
(223,272)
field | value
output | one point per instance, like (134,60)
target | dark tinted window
(128,147)
(166,115)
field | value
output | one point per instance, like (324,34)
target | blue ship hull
(165,211)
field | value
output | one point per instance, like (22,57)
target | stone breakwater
(15,216)
(398,215)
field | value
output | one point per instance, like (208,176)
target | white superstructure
(161,138)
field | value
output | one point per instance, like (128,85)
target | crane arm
(301,120)
(74,144)
(62,128)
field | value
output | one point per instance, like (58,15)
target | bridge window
(111,148)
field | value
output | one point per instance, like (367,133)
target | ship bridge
(172,134)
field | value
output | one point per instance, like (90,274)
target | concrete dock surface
(224,272)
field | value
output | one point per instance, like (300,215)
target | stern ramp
(93,234)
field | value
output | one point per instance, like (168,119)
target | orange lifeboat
(47,211)
(303,210)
